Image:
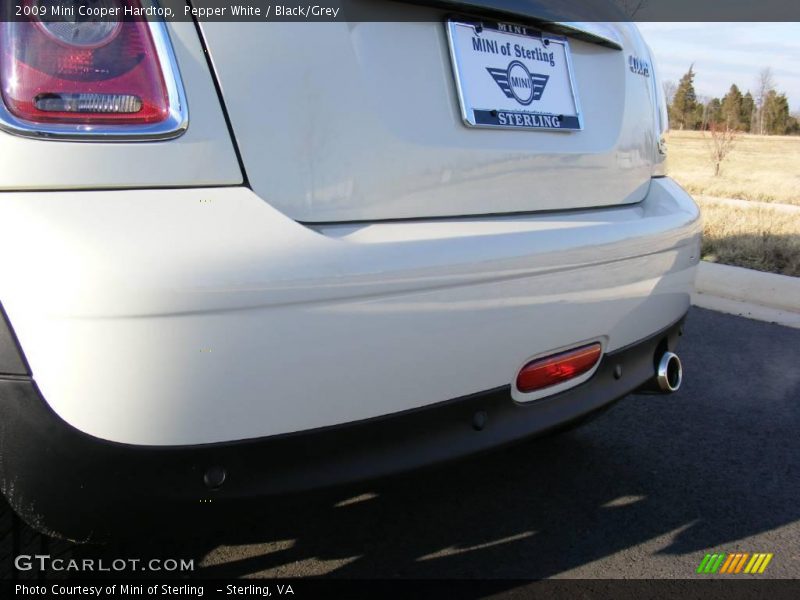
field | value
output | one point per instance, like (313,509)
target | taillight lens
(95,75)
(558,368)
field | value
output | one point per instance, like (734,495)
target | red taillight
(558,368)
(98,76)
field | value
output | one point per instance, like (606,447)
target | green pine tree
(683,111)
(713,112)
(776,113)
(731,109)
(746,113)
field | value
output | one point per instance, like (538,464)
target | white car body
(378,256)
(213,317)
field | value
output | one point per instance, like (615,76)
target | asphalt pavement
(644,491)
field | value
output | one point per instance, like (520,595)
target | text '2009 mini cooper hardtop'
(245,259)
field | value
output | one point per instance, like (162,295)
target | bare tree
(722,140)
(703,101)
(670,87)
(764,84)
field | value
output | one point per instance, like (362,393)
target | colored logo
(734,564)
(519,83)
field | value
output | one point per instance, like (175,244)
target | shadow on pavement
(713,464)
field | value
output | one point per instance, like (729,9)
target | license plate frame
(503,72)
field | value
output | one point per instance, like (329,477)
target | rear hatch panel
(362,122)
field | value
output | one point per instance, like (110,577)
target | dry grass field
(759,237)
(759,168)
(765,168)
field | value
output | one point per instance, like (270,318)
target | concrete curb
(751,204)
(748,293)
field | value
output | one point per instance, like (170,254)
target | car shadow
(764,251)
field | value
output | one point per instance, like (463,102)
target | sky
(726,53)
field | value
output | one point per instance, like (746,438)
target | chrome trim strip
(598,33)
(541,14)
(174,126)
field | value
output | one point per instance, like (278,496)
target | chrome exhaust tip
(669,374)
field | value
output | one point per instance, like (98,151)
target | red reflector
(558,368)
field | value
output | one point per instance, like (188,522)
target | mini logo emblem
(519,83)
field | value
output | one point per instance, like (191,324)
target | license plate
(514,77)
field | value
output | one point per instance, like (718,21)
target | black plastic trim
(12,360)
(68,483)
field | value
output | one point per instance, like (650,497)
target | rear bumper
(65,482)
(167,332)
(191,317)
